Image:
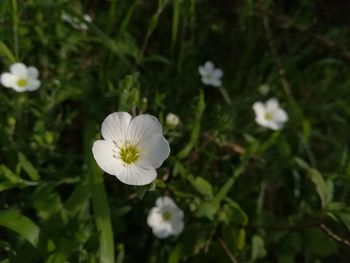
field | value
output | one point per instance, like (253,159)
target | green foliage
(248,194)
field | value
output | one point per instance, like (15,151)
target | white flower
(21,78)
(75,22)
(270,114)
(166,218)
(172,120)
(132,147)
(210,75)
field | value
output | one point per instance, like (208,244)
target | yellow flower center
(166,215)
(129,154)
(268,116)
(22,83)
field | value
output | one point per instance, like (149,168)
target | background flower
(270,114)
(21,78)
(210,75)
(166,218)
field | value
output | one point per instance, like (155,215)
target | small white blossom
(21,78)
(270,114)
(132,147)
(172,120)
(166,218)
(210,75)
(75,22)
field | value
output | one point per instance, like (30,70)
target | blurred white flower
(166,218)
(264,89)
(270,114)
(21,78)
(172,120)
(132,147)
(75,22)
(210,75)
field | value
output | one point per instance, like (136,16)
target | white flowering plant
(174,131)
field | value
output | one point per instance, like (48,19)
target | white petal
(216,82)
(202,71)
(33,72)
(261,120)
(18,69)
(154,150)
(273,125)
(281,115)
(103,154)
(162,231)
(218,73)
(115,126)
(177,224)
(33,84)
(259,108)
(272,104)
(143,126)
(209,66)
(8,80)
(135,175)
(154,217)
(165,201)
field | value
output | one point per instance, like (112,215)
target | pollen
(22,82)
(129,154)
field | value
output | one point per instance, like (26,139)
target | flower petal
(218,73)
(177,223)
(143,126)
(154,150)
(33,84)
(216,82)
(281,115)
(135,175)
(259,108)
(162,231)
(115,126)
(165,201)
(18,69)
(103,154)
(272,104)
(8,80)
(154,217)
(201,71)
(209,66)
(33,72)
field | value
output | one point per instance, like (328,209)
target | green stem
(15,23)
(225,95)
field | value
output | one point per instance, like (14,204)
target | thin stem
(228,252)
(334,236)
(225,95)
(15,22)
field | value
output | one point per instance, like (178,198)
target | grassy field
(262,183)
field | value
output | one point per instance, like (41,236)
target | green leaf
(207,210)
(28,167)
(175,254)
(258,248)
(5,52)
(22,225)
(204,187)
(324,187)
(99,201)
(196,128)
